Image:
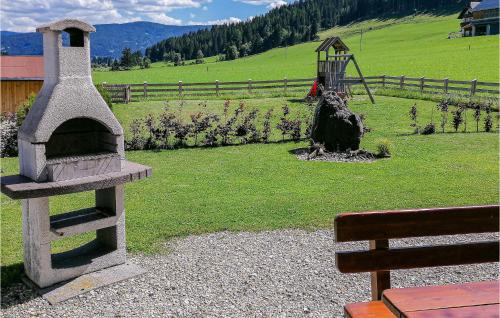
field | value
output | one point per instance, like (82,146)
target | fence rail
(125,93)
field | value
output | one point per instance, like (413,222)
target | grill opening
(78,137)
(72,37)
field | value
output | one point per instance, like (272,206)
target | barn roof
(336,42)
(21,67)
(486,5)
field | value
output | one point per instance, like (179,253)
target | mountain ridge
(135,35)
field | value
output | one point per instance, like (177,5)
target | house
(480,18)
(20,76)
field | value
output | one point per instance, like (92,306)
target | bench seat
(372,309)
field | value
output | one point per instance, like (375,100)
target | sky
(26,15)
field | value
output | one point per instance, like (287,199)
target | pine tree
(126,60)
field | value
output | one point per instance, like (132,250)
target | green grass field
(413,46)
(260,187)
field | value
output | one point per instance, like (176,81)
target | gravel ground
(288,273)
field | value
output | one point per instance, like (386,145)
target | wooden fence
(125,93)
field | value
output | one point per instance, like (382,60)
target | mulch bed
(349,156)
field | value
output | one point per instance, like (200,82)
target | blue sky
(26,15)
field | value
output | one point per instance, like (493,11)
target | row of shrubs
(170,129)
(458,117)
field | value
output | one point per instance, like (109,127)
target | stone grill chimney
(71,142)
(70,131)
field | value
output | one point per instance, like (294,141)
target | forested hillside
(288,25)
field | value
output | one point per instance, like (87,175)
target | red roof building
(20,76)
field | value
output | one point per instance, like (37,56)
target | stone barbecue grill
(71,142)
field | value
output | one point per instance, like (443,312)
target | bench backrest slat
(416,223)
(417,257)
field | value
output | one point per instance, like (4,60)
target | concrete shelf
(80,221)
(20,187)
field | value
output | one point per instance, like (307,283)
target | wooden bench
(378,227)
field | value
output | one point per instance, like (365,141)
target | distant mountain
(108,40)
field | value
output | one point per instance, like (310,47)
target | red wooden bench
(378,227)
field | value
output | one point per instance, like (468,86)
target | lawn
(262,187)
(413,46)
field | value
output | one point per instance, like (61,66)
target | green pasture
(412,46)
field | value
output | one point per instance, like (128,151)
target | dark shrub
(488,121)
(443,108)
(266,130)
(429,129)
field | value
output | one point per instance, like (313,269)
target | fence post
(250,86)
(145,89)
(127,94)
(473,85)
(217,87)
(383,80)
(285,85)
(180,88)
(445,85)
(402,82)
(421,85)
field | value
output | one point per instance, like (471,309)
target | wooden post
(381,280)
(180,88)
(285,85)
(362,78)
(402,82)
(250,86)
(421,85)
(145,89)
(217,87)
(127,94)
(473,85)
(383,81)
(445,85)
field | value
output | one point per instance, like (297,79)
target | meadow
(263,186)
(414,46)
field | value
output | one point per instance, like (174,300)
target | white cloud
(231,20)
(262,2)
(205,8)
(276,4)
(26,15)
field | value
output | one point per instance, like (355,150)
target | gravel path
(288,273)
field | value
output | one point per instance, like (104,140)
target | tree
(146,62)
(246,49)
(232,53)
(126,60)
(115,66)
(177,59)
(199,57)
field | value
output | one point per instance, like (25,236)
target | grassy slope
(414,46)
(258,187)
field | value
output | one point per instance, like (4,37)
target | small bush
(443,107)
(384,148)
(477,116)
(105,95)
(488,121)
(8,134)
(458,118)
(414,117)
(9,127)
(429,129)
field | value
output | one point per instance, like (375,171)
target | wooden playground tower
(332,68)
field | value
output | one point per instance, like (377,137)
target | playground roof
(336,42)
